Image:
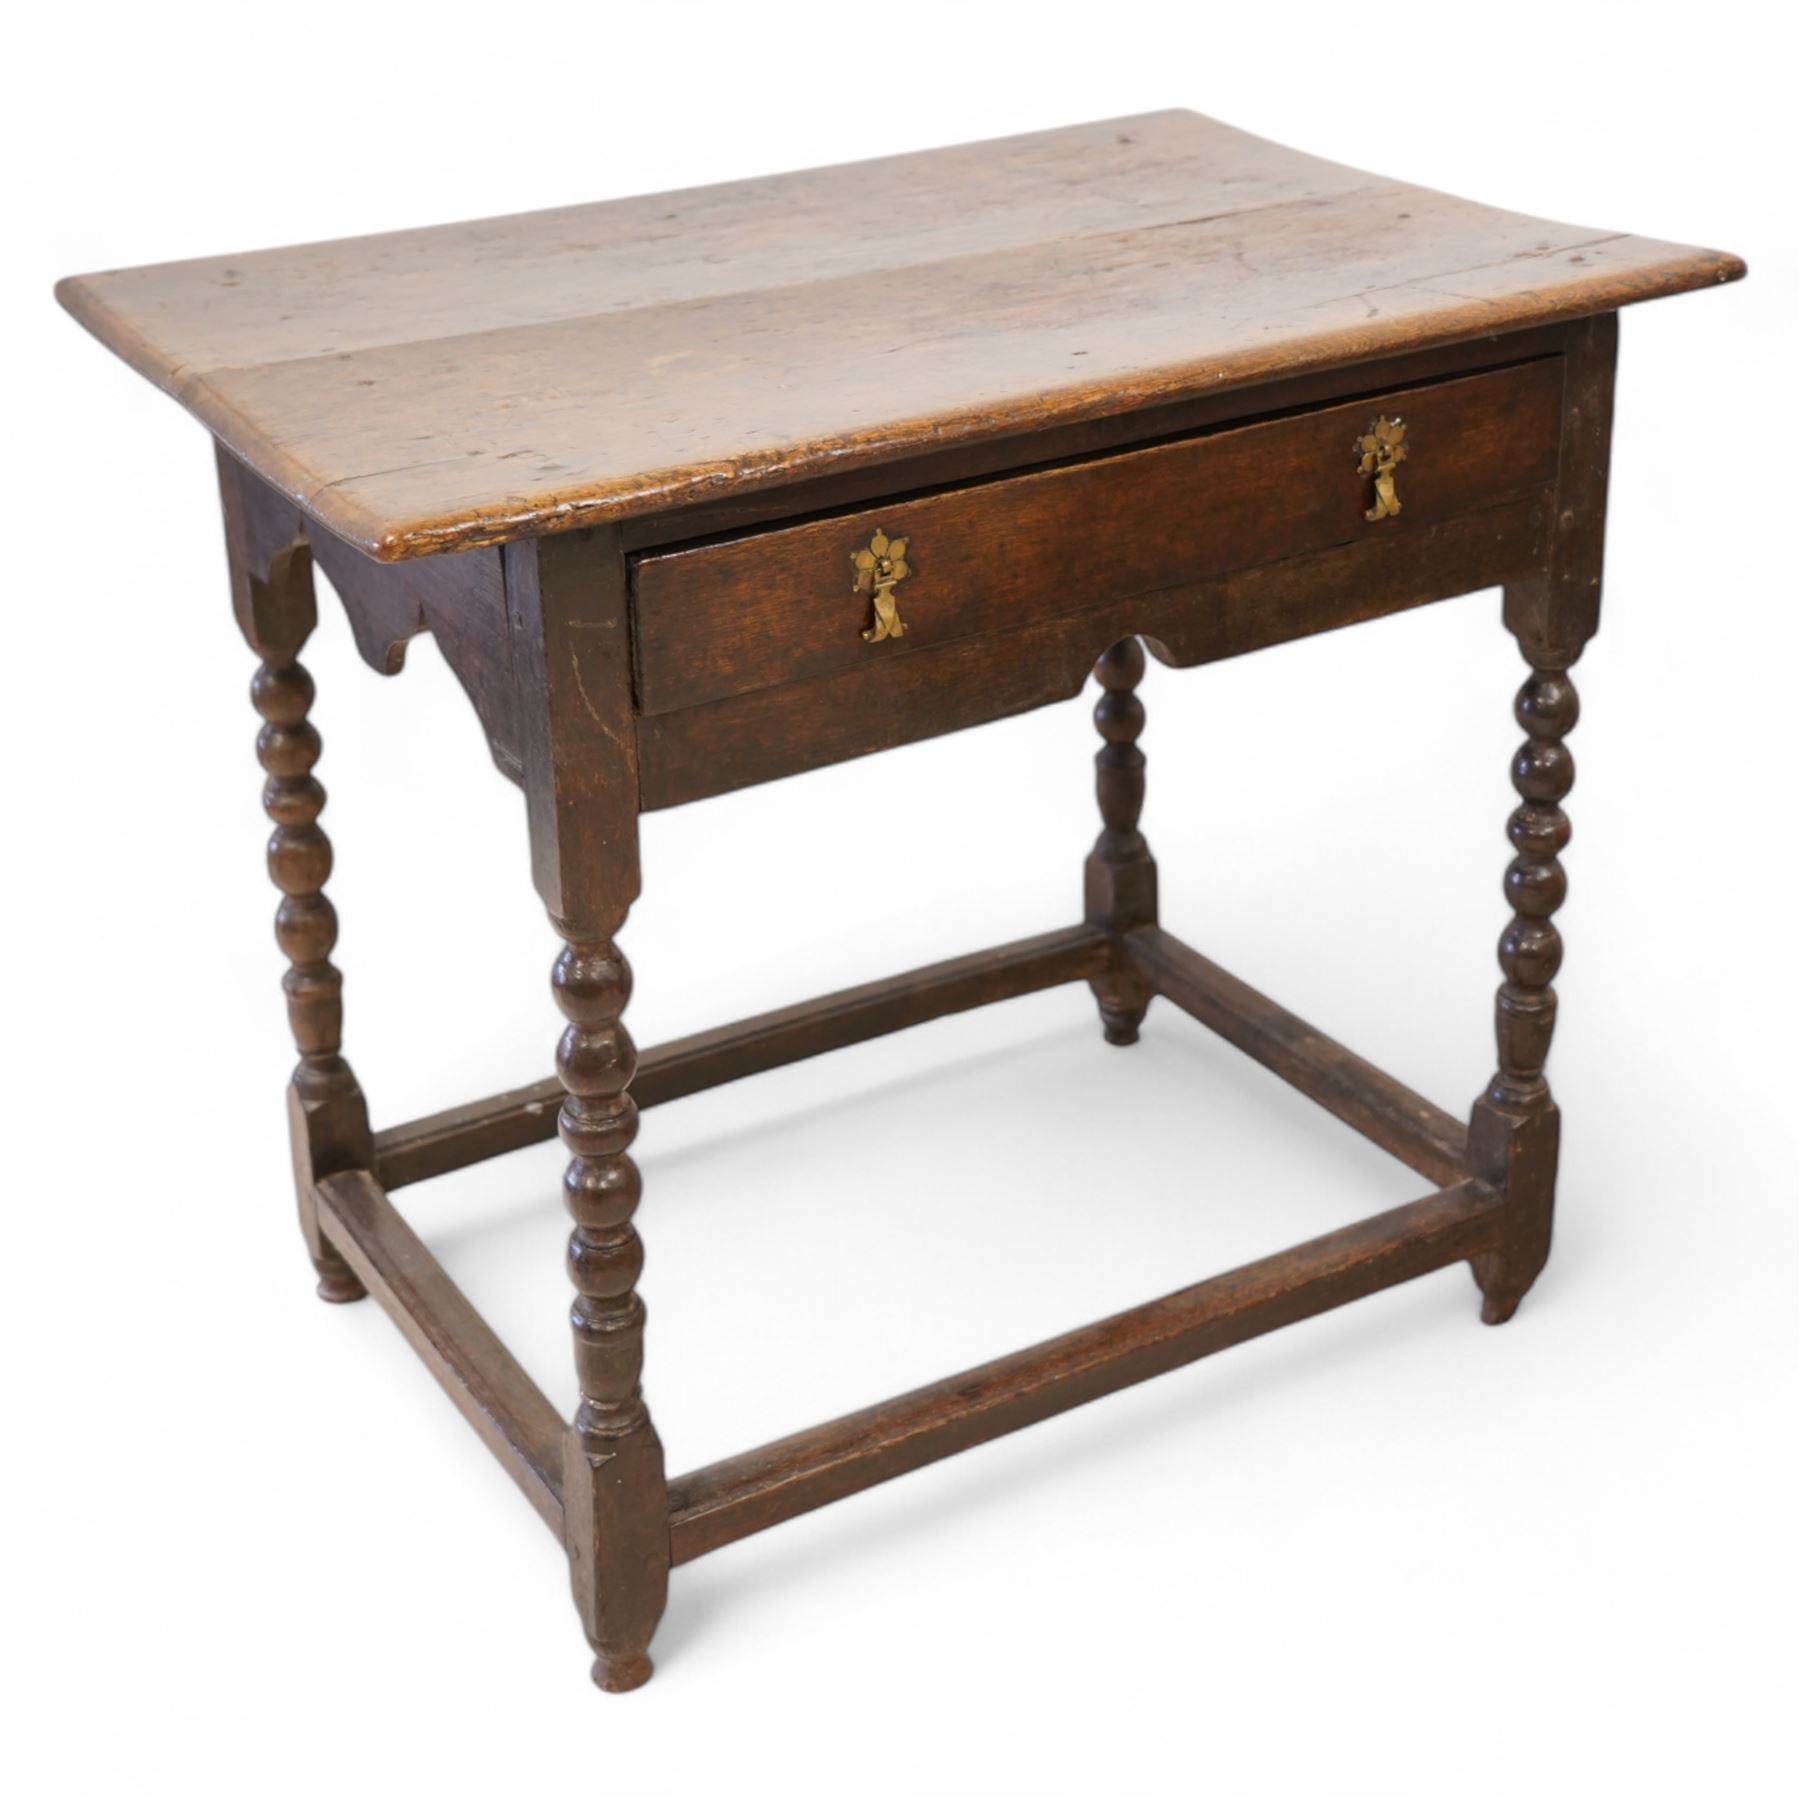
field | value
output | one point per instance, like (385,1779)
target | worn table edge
(673,488)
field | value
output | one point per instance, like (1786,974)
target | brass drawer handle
(879,570)
(1382,449)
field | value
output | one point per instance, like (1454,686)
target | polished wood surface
(1119,887)
(751,1492)
(766,607)
(1386,1112)
(481,1376)
(1114,387)
(1515,1127)
(467,1134)
(430,390)
(778,731)
(276,609)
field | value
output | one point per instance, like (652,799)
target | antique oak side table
(704,489)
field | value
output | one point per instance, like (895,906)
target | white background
(248,1547)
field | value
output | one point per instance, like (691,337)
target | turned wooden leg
(1515,1126)
(572,663)
(273,597)
(329,1119)
(614,1471)
(1121,873)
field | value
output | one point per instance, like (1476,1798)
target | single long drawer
(790,603)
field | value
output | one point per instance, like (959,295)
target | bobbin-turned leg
(614,1471)
(328,1117)
(1515,1128)
(572,663)
(1120,878)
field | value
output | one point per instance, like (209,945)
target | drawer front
(790,603)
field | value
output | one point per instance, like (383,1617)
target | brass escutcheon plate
(1380,451)
(880,568)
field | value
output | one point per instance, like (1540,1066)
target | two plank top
(432,390)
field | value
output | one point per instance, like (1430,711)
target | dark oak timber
(472,1366)
(774,732)
(429,391)
(572,660)
(1403,1123)
(469,1134)
(747,1493)
(1119,885)
(707,489)
(1515,1127)
(773,607)
(328,1118)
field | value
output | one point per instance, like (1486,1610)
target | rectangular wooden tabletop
(431,390)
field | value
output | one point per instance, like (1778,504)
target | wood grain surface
(774,606)
(468,384)
(773,732)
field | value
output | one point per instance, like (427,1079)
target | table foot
(1496,1309)
(1120,1024)
(338,1286)
(620,1674)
